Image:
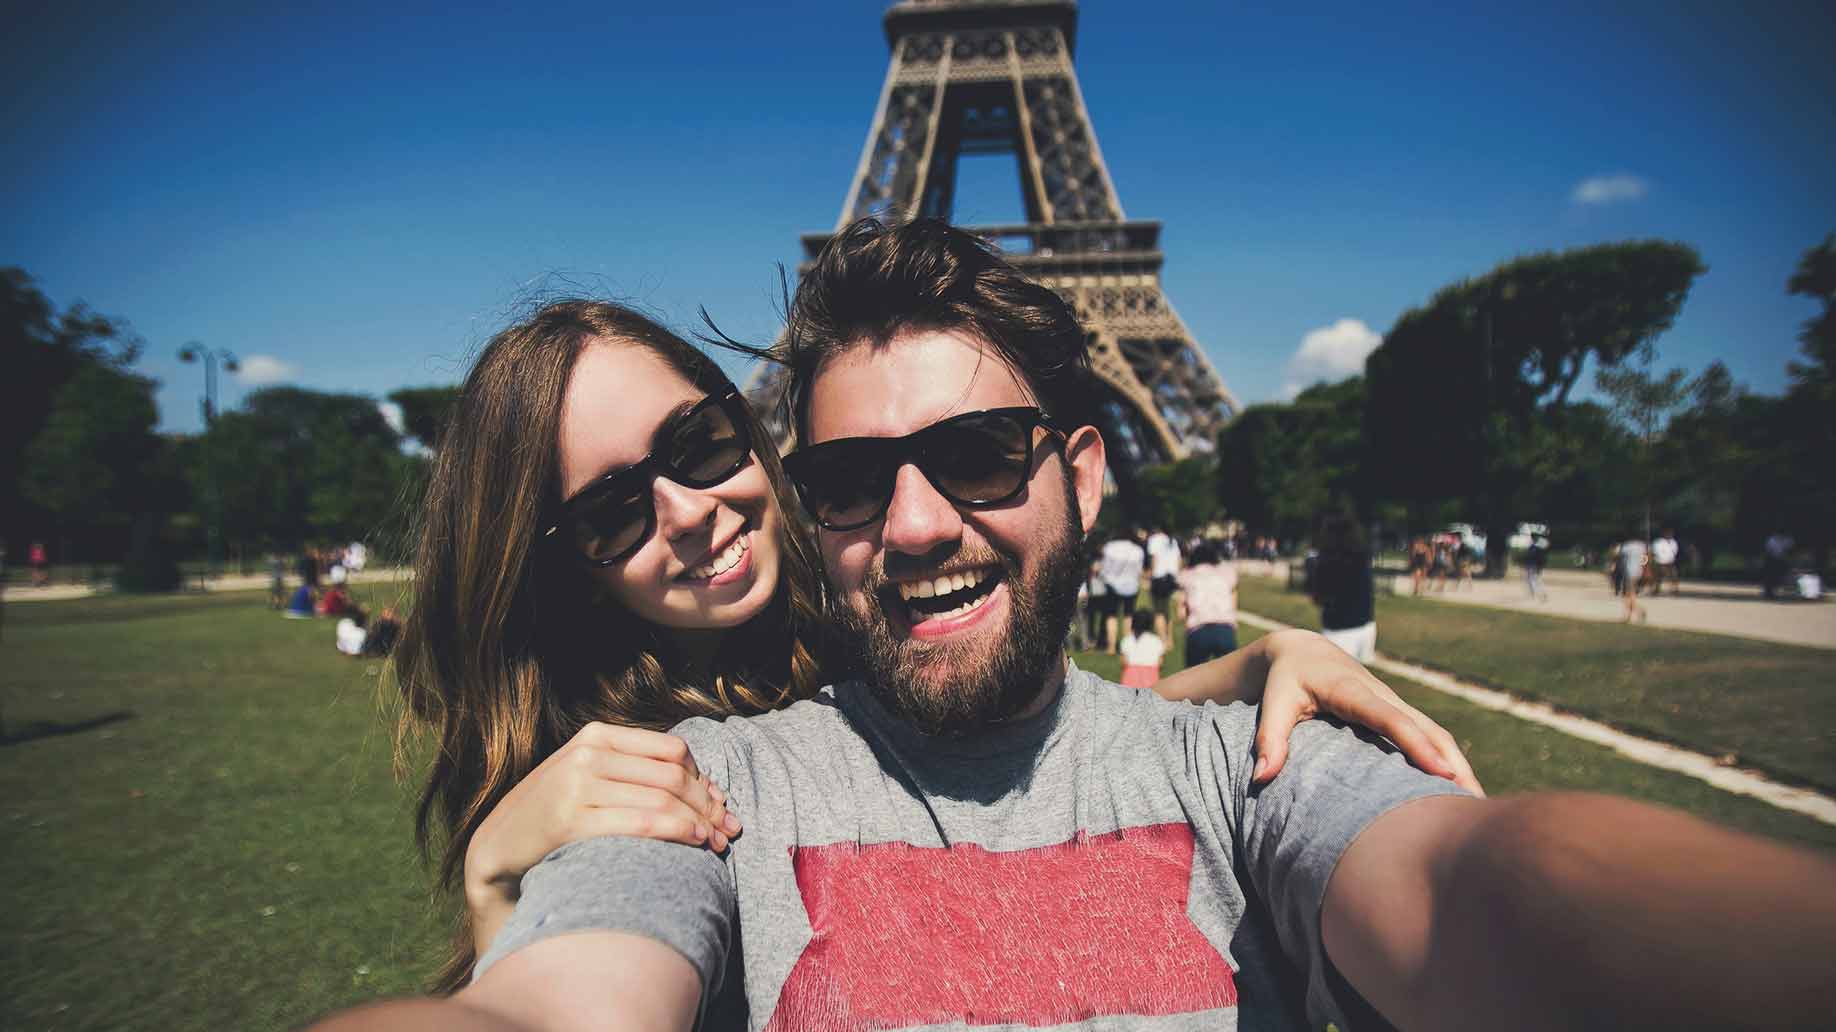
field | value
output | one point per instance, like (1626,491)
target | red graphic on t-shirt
(910,935)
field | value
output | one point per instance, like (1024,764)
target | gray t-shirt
(1104,865)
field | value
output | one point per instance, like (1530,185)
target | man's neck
(1048,691)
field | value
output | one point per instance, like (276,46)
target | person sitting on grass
(302,605)
(1142,650)
(604,553)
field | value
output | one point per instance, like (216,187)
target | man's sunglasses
(610,518)
(977,460)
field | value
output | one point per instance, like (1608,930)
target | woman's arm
(1298,675)
(607,780)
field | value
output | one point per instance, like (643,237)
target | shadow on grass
(32,731)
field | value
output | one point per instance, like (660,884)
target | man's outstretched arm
(1578,911)
(589,980)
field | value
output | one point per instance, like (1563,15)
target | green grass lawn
(228,850)
(200,829)
(1770,705)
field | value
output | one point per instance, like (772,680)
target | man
(1633,555)
(1121,563)
(1163,579)
(1664,564)
(979,835)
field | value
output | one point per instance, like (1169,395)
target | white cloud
(392,415)
(1330,353)
(1607,189)
(262,370)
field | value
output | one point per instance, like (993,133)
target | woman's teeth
(723,562)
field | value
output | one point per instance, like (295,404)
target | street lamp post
(213,530)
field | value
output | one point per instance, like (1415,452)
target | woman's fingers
(637,741)
(647,813)
(1284,704)
(1450,752)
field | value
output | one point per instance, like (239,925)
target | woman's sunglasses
(977,460)
(610,518)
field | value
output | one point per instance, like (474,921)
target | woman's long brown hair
(508,650)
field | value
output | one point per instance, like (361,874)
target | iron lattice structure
(996,76)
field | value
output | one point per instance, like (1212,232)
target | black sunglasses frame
(910,450)
(647,469)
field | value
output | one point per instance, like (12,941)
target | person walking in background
(1142,651)
(1344,589)
(1420,556)
(1163,579)
(1096,605)
(1536,557)
(1442,563)
(1664,554)
(1632,559)
(277,581)
(40,563)
(1209,583)
(1776,565)
(1122,563)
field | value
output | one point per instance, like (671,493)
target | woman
(1210,586)
(1343,586)
(605,551)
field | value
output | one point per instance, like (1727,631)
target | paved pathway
(227,582)
(1657,754)
(1703,606)
(1717,608)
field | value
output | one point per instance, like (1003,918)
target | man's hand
(1576,911)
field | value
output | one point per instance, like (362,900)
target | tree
(90,468)
(425,410)
(40,351)
(296,464)
(1456,385)
(1180,497)
(1281,466)
(1644,404)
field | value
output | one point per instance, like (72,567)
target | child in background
(1141,652)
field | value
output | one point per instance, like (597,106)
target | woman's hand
(607,780)
(1299,675)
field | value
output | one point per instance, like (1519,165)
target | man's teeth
(723,562)
(949,582)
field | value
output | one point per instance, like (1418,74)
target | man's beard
(954,687)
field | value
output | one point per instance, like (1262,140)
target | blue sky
(355,200)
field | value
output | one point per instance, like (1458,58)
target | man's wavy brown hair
(509,649)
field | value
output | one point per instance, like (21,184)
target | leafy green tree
(1456,386)
(296,464)
(1281,466)
(1644,404)
(41,349)
(89,467)
(424,411)
(1180,497)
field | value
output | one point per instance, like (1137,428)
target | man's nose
(681,510)
(918,519)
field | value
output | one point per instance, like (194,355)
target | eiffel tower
(994,77)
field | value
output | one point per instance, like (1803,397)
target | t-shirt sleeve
(681,896)
(1292,832)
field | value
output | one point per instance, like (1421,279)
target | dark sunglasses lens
(978,460)
(707,448)
(611,524)
(846,484)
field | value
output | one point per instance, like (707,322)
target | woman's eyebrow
(658,438)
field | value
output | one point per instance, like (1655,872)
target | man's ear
(1087,458)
